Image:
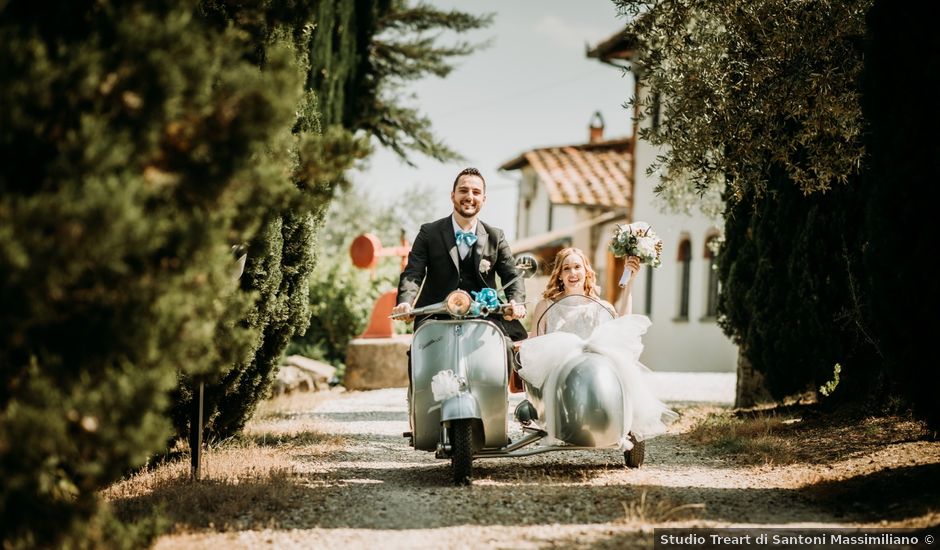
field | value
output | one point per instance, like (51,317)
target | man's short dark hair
(468,172)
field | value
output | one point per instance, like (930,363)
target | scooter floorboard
(534,436)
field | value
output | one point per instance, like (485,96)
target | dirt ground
(345,478)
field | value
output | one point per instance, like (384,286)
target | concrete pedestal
(374,363)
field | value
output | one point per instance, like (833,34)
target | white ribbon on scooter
(445,385)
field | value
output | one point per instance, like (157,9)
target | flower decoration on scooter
(487,298)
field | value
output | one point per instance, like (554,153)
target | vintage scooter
(459,393)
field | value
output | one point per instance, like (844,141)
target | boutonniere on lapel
(485,266)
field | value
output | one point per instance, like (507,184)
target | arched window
(685,274)
(711,277)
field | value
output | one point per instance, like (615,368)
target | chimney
(596,134)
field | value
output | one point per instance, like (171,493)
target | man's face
(469,196)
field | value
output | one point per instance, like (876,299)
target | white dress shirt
(462,248)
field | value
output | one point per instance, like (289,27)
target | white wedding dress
(575,325)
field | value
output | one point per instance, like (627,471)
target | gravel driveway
(376,492)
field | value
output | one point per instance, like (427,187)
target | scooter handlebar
(423,310)
(441,307)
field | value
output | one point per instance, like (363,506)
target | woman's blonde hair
(556,287)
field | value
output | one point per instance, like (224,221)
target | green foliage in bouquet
(137,145)
(637,239)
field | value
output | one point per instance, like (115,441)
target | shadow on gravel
(798,434)
(613,541)
(823,439)
(366,449)
(423,497)
(892,494)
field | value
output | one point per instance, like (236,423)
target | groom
(460,251)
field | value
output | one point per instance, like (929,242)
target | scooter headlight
(458,303)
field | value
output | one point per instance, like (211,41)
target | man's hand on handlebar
(513,311)
(403,307)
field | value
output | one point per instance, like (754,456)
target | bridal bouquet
(637,239)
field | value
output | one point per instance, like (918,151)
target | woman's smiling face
(573,274)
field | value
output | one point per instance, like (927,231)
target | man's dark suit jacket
(434,254)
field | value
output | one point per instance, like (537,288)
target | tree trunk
(750,390)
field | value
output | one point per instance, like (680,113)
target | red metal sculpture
(365,251)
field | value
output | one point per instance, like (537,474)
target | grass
(658,510)
(219,501)
(760,439)
(247,482)
(293,438)
(799,434)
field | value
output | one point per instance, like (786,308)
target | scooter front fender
(459,407)
(474,349)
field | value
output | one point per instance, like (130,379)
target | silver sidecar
(586,408)
(580,401)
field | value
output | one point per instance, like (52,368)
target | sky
(533,87)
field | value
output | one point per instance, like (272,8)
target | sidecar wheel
(634,457)
(461,440)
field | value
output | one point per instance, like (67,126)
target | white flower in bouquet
(637,239)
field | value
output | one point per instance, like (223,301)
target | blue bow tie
(466,237)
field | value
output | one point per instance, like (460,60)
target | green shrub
(341,301)
(342,296)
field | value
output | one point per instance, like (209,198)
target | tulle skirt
(619,341)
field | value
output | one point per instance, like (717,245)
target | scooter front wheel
(461,440)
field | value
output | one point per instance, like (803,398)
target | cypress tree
(137,145)
(281,256)
(364,52)
(789,267)
(345,52)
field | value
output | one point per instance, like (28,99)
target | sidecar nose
(590,403)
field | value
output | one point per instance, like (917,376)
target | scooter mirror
(527,265)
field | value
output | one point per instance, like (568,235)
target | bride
(571,320)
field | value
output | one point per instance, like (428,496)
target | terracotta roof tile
(593,174)
(619,46)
